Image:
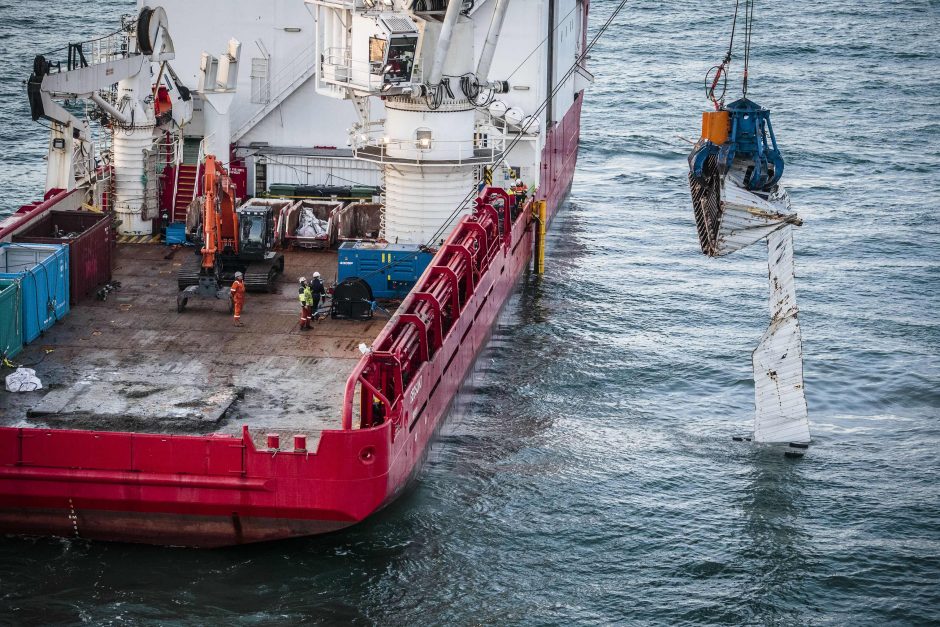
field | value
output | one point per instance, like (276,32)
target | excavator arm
(219,237)
(219,220)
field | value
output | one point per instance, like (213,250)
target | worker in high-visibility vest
(238,297)
(305,295)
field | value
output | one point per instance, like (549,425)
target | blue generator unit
(391,270)
(175,233)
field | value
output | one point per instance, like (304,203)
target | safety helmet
(316,275)
(239,275)
(303,279)
(518,181)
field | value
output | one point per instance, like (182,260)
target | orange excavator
(233,240)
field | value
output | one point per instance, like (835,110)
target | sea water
(587,474)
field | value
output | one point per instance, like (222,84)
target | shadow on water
(774,545)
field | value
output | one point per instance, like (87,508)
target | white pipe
(492,37)
(443,41)
(110,110)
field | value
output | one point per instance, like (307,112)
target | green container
(282,189)
(11,318)
(364,191)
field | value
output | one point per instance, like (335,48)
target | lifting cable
(470,83)
(721,70)
(720,76)
(571,70)
(544,39)
(748,31)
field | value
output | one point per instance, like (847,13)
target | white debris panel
(778,360)
(746,218)
(730,218)
(781,274)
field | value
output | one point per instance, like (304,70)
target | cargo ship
(411,154)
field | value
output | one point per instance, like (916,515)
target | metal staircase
(297,71)
(186,187)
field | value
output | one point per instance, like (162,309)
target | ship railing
(349,5)
(110,47)
(434,315)
(372,145)
(90,52)
(338,67)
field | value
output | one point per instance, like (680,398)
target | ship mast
(432,140)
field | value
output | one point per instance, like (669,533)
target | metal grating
(398,24)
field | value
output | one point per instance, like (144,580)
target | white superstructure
(126,78)
(368,92)
(421,99)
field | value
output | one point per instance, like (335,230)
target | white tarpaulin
(23,380)
(311,225)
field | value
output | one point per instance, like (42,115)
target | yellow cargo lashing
(540,213)
(715,126)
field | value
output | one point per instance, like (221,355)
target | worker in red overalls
(238,297)
(520,190)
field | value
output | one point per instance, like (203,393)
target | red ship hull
(220,490)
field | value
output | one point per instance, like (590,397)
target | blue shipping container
(43,272)
(11,319)
(391,270)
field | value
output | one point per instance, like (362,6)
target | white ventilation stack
(423,195)
(434,147)
(135,186)
(218,79)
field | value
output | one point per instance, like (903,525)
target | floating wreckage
(734,174)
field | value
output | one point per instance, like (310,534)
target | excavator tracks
(259,276)
(188,274)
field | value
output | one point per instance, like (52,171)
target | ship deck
(132,363)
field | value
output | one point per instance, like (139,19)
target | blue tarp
(11,318)
(43,272)
(175,233)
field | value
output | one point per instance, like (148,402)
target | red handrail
(426,316)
